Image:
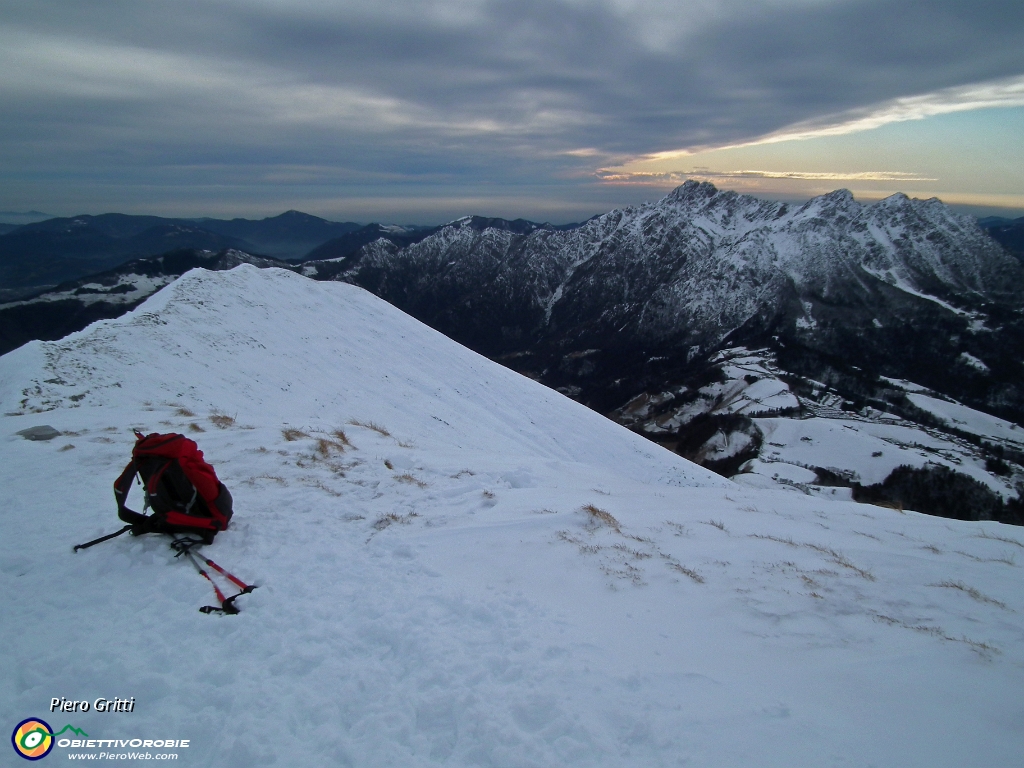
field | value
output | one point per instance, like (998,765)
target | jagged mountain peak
(693,190)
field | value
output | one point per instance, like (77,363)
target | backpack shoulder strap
(122,485)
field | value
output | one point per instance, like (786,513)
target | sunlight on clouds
(961,145)
(676,178)
(1002,93)
(1008,92)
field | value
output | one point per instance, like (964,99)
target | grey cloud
(494,93)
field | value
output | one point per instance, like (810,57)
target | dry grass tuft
(407,478)
(370,425)
(636,554)
(982,648)
(867,535)
(272,478)
(680,530)
(584,547)
(193,427)
(68,447)
(972,593)
(888,505)
(840,559)
(222,420)
(836,557)
(787,541)
(392,518)
(600,517)
(1007,559)
(291,434)
(325,447)
(184,412)
(982,535)
(315,482)
(341,437)
(687,572)
(715,524)
(624,571)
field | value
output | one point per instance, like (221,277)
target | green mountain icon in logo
(76,731)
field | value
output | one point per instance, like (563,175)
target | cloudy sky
(420,111)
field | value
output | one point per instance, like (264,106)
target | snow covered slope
(458,566)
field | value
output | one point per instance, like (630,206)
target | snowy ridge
(458,566)
(472,397)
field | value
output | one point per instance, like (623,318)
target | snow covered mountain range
(721,326)
(693,269)
(458,566)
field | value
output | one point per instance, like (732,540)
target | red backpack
(178,485)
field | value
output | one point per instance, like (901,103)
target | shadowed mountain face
(1009,233)
(348,246)
(349,243)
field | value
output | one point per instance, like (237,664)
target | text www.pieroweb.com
(122,756)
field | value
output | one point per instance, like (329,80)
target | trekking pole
(227,605)
(101,539)
(246,588)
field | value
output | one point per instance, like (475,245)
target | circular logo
(32,739)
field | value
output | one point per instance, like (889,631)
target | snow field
(870,449)
(459,567)
(970,420)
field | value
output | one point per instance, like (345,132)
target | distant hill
(20,218)
(290,236)
(40,255)
(45,254)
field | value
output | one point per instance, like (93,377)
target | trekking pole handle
(101,539)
